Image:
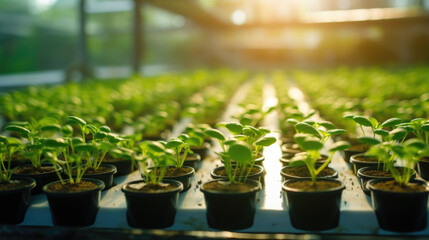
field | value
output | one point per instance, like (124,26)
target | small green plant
(375,125)
(419,127)
(161,158)
(72,162)
(181,147)
(197,132)
(240,152)
(34,147)
(8,146)
(407,151)
(312,146)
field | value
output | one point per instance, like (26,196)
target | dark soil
(308,185)
(12,184)
(222,171)
(34,170)
(377,173)
(366,159)
(68,187)
(358,147)
(144,187)
(174,172)
(109,158)
(92,171)
(302,171)
(424,159)
(392,186)
(228,187)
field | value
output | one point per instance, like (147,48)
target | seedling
(312,146)
(161,158)
(8,146)
(407,151)
(181,147)
(242,149)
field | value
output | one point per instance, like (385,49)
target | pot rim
(257,187)
(100,187)
(354,160)
(360,172)
(296,190)
(178,188)
(31,183)
(261,171)
(335,174)
(113,170)
(419,181)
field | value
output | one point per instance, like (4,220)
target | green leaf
(92,129)
(339,146)
(327,125)
(407,128)
(336,131)
(362,121)
(349,116)
(100,135)
(106,146)
(369,140)
(230,142)
(14,142)
(3,140)
(292,121)
(84,147)
(156,146)
(18,129)
(374,122)
(418,121)
(235,128)
(381,132)
(214,133)
(266,141)
(398,134)
(55,143)
(310,144)
(391,122)
(193,141)
(245,120)
(67,130)
(307,128)
(296,162)
(300,137)
(415,142)
(105,129)
(183,137)
(425,127)
(174,142)
(51,127)
(309,121)
(75,120)
(240,152)
(77,141)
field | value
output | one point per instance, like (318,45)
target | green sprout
(161,158)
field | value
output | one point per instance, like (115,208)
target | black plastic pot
(149,209)
(423,168)
(123,166)
(286,176)
(106,177)
(400,212)
(74,209)
(314,210)
(257,176)
(16,202)
(231,210)
(364,178)
(359,161)
(41,179)
(355,148)
(203,150)
(193,161)
(291,148)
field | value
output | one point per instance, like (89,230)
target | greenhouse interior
(214,119)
